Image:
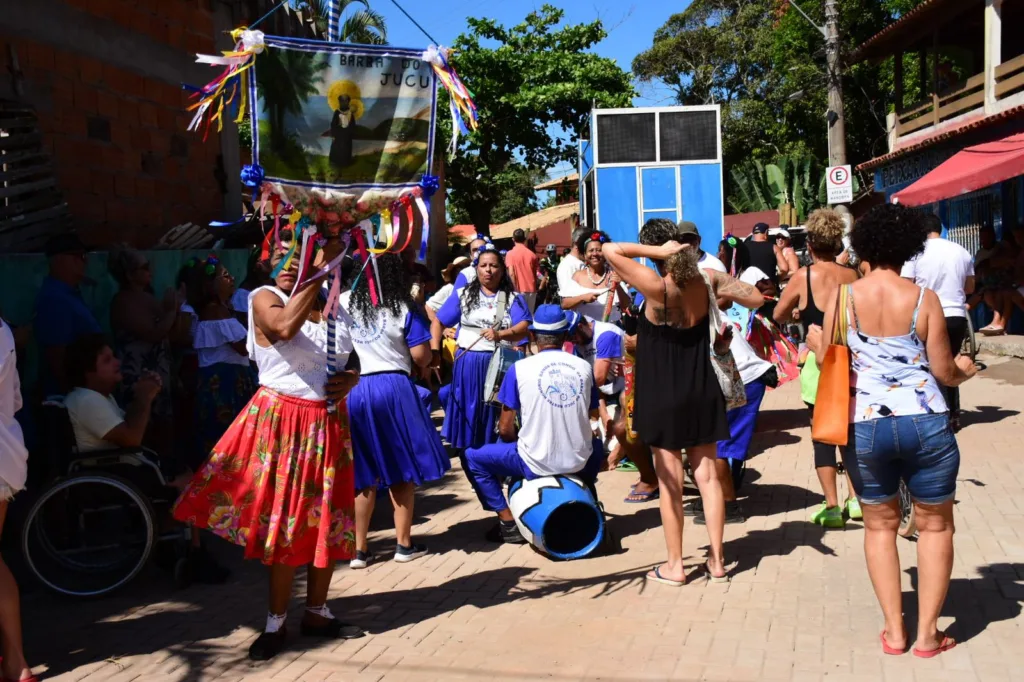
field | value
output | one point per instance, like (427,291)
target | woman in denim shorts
(899,426)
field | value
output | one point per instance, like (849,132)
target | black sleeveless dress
(678,401)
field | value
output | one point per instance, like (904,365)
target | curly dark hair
(471,294)
(588,236)
(657,231)
(889,235)
(80,357)
(393,290)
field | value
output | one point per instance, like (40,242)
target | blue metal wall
(698,198)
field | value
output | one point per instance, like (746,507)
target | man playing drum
(556,396)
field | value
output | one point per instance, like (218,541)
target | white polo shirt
(943,267)
(554,393)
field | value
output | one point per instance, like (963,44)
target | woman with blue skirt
(469,422)
(394,442)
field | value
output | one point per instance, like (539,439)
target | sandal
(713,578)
(656,576)
(890,650)
(945,644)
(992,331)
(626,465)
(635,497)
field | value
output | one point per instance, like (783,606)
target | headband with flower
(209,265)
(486,248)
(598,237)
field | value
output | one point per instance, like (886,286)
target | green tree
(765,65)
(515,196)
(535,84)
(364,26)
(287,78)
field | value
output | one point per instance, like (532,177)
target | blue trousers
(489,465)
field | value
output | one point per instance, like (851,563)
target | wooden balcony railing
(1010,77)
(942,106)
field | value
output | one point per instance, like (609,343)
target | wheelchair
(94,525)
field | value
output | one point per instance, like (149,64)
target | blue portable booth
(657,162)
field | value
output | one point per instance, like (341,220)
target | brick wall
(126,165)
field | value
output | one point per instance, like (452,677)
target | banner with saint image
(342,117)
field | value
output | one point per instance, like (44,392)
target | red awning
(966,171)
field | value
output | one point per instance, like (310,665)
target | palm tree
(796,181)
(287,78)
(364,26)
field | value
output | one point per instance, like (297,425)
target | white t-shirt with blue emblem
(608,343)
(554,393)
(456,313)
(383,342)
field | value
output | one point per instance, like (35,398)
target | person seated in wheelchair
(555,395)
(99,423)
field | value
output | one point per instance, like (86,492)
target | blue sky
(630,24)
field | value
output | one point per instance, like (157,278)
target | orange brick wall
(152,174)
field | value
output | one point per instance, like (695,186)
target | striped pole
(332,357)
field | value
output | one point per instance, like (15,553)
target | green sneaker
(828,517)
(853,509)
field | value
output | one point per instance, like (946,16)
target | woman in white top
(469,422)
(225,381)
(13,469)
(280,481)
(595,283)
(393,438)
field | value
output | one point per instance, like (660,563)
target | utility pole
(837,124)
(835,118)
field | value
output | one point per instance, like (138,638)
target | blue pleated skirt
(393,438)
(468,421)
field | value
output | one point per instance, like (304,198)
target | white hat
(753,275)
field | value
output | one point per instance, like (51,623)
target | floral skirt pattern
(223,390)
(280,483)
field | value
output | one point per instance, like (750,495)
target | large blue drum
(557,515)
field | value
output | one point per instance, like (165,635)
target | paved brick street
(799,607)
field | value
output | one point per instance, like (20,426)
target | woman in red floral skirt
(280,481)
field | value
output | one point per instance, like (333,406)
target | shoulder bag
(725,364)
(831,423)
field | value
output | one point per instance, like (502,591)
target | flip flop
(625,465)
(644,497)
(945,644)
(889,650)
(992,331)
(713,578)
(664,581)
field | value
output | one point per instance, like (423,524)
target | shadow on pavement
(748,549)
(975,603)
(783,420)
(985,414)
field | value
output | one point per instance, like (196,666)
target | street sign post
(839,183)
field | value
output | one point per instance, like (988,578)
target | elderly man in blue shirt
(62,316)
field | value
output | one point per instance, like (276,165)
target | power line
(416,23)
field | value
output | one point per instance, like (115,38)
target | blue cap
(550,319)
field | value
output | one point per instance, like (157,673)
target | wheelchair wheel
(88,535)
(908,527)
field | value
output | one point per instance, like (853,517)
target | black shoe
(510,533)
(733,514)
(332,629)
(205,569)
(693,508)
(494,534)
(267,645)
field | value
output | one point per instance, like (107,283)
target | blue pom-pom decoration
(430,184)
(252,175)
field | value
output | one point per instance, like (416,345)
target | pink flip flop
(945,644)
(890,650)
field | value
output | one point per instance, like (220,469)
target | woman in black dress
(679,403)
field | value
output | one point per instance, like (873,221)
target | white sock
(275,623)
(321,611)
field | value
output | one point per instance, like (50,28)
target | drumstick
(613,293)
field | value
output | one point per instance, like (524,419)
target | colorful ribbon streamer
(221,93)
(461,103)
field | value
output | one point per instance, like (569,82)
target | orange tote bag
(832,404)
